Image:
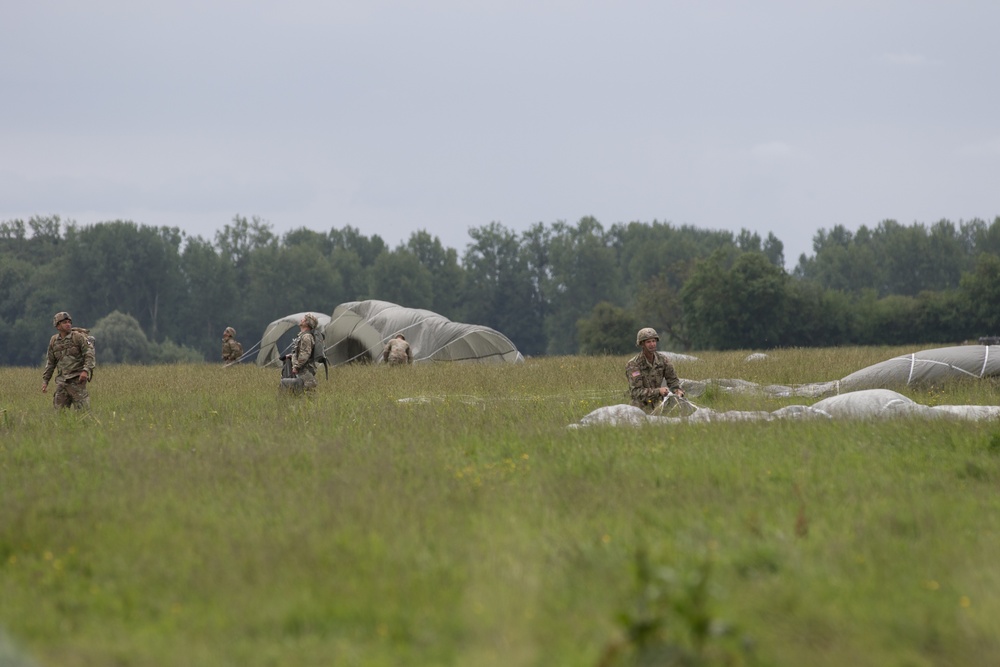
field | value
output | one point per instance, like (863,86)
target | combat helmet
(60,316)
(645,334)
(311,321)
(231,331)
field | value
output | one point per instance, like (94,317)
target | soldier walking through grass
(648,371)
(71,358)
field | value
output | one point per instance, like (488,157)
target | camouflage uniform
(232,351)
(397,351)
(302,359)
(645,377)
(69,355)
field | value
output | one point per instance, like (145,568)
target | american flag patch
(636,373)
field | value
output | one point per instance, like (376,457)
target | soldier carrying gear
(651,377)
(70,357)
(299,372)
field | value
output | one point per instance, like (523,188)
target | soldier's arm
(89,361)
(50,367)
(673,382)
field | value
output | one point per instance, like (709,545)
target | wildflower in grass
(931,585)
(964,602)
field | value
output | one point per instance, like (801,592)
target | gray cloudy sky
(393,116)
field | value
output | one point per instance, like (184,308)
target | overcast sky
(393,117)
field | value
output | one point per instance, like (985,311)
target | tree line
(553,289)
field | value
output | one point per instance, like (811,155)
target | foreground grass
(200,519)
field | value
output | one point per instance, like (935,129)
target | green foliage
(701,288)
(120,339)
(670,621)
(608,330)
(742,304)
(445,515)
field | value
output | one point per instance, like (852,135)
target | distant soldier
(232,351)
(397,351)
(71,357)
(647,371)
(302,361)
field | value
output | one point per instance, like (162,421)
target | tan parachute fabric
(359,329)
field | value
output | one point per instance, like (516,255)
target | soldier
(232,351)
(71,357)
(397,351)
(302,360)
(647,371)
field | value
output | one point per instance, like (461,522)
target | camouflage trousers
(71,393)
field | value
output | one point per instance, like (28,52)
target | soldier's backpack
(93,346)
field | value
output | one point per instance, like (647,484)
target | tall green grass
(445,515)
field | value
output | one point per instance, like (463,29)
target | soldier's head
(400,336)
(308,321)
(647,339)
(61,317)
(229,333)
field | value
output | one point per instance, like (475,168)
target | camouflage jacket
(302,352)
(231,350)
(397,351)
(645,379)
(68,356)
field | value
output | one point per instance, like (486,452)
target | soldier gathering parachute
(358,330)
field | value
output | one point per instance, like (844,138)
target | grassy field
(199,518)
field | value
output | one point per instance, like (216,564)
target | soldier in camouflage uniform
(71,357)
(231,349)
(397,351)
(302,361)
(647,371)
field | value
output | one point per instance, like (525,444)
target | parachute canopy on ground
(928,367)
(358,331)
(269,351)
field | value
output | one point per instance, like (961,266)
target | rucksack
(319,351)
(93,346)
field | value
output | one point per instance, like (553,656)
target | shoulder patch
(636,373)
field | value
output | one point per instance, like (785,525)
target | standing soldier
(231,348)
(71,358)
(397,351)
(302,360)
(647,371)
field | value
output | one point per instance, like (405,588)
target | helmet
(229,331)
(644,335)
(400,335)
(311,320)
(59,317)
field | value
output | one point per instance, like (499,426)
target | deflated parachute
(358,331)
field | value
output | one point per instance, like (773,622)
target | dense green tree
(981,295)
(609,329)
(446,275)
(584,270)
(498,288)
(399,277)
(213,298)
(120,340)
(742,306)
(659,305)
(123,266)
